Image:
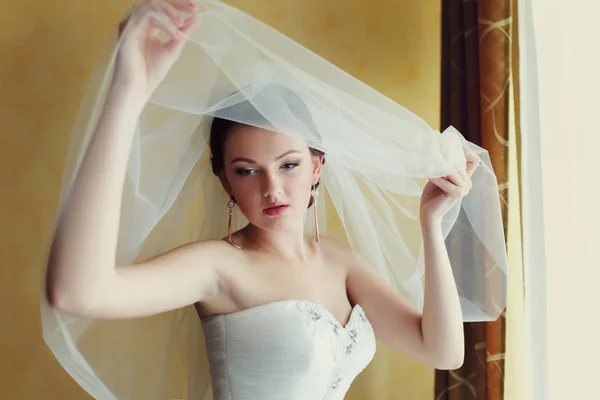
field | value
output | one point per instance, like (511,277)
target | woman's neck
(289,244)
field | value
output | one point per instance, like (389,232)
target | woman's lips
(275,210)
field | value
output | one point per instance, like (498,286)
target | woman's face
(270,175)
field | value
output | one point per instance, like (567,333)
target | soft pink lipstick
(275,209)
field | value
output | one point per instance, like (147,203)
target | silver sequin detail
(315,315)
(362,316)
(336,329)
(336,383)
(349,349)
(353,335)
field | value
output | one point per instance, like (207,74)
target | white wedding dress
(290,349)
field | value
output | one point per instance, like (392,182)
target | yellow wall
(47,51)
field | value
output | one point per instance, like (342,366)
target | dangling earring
(315,193)
(231,204)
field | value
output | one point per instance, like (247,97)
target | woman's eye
(290,165)
(244,171)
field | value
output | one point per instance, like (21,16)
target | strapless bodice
(291,349)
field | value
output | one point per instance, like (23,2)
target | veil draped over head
(379,156)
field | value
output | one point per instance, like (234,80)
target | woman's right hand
(143,59)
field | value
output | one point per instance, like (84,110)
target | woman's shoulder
(209,245)
(332,244)
(341,250)
(217,253)
(337,250)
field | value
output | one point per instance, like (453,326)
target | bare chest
(259,283)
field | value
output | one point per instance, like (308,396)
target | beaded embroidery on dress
(291,349)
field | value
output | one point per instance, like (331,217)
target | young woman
(286,314)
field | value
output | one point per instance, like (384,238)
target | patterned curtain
(476,88)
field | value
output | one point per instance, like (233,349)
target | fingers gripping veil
(379,156)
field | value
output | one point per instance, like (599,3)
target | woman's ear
(225,183)
(317,165)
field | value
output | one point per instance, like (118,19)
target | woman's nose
(271,185)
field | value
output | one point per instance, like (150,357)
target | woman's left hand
(441,194)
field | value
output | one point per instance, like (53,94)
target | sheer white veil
(378,154)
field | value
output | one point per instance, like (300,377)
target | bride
(286,313)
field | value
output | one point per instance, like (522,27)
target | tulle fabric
(378,155)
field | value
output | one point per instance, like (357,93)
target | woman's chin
(283,222)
